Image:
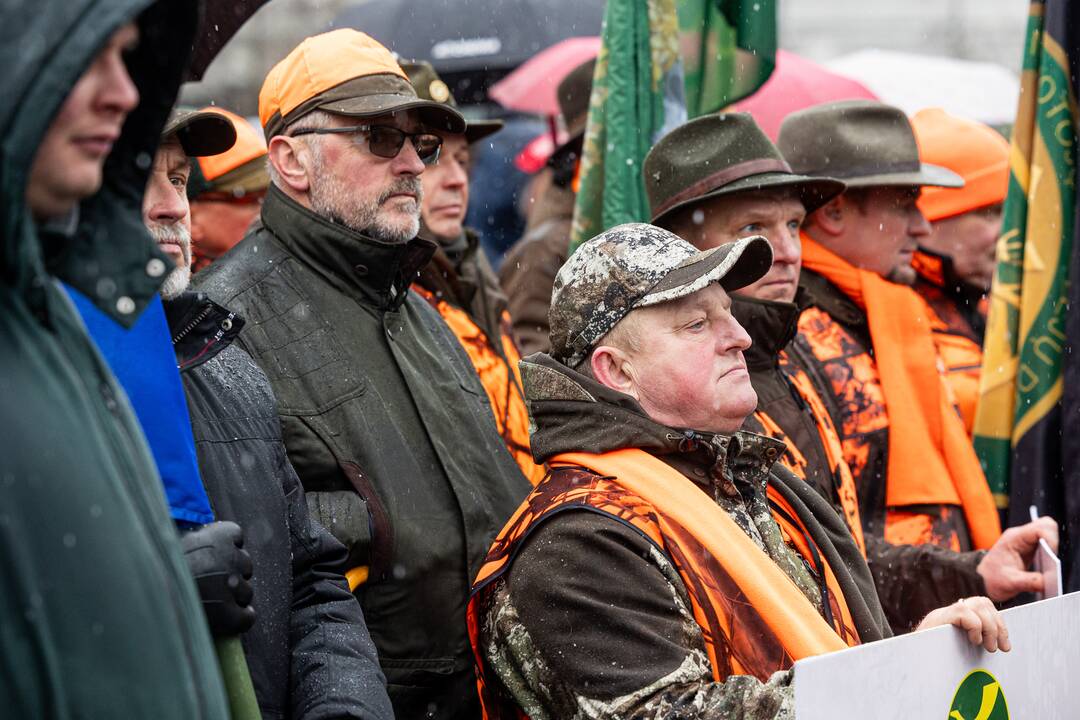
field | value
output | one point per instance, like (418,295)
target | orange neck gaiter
(931,459)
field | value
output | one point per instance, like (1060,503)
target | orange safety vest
(795,461)
(734,587)
(500,377)
(930,457)
(960,352)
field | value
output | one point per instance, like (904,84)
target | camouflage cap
(637,265)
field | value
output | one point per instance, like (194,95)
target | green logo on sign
(979,697)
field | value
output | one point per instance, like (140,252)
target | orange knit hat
(347,73)
(249,146)
(975,151)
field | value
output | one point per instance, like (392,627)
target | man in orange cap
(955,262)
(383,415)
(226,192)
(458,281)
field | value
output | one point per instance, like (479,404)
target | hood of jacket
(46,48)
(571,412)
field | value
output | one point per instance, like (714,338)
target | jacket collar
(771,325)
(570,412)
(940,271)
(373,272)
(816,290)
(200,328)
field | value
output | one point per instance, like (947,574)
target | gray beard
(337,201)
(178,280)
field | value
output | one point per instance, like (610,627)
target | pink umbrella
(797,83)
(531,88)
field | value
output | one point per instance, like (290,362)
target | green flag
(660,63)
(1027,415)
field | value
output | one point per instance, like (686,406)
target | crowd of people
(640,480)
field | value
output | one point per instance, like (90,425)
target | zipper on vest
(193,324)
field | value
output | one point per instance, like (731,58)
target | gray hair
(317,120)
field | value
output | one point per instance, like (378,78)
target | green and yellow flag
(1030,378)
(661,62)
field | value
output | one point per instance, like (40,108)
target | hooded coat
(100,615)
(309,652)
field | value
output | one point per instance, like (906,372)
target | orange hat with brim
(975,151)
(344,72)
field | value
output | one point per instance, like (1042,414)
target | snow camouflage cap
(636,265)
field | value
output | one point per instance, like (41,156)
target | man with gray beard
(382,413)
(308,650)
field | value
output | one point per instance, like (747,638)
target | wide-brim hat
(345,72)
(637,265)
(717,155)
(200,133)
(862,142)
(429,86)
(574,93)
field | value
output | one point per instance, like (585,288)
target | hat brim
(435,116)
(732,265)
(476,130)
(201,133)
(813,192)
(927,176)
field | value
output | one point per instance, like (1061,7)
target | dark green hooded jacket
(98,615)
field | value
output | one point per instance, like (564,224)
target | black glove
(221,568)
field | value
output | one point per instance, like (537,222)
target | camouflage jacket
(565,636)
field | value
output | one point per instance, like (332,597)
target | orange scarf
(931,459)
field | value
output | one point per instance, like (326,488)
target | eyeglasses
(386,141)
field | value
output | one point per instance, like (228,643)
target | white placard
(918,675)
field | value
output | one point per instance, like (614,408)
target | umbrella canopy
(532,87)
(975,90)
(220,21)
(797,83)
(466,35)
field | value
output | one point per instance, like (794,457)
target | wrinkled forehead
(170,154)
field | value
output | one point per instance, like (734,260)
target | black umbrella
(461,36)
(220,21)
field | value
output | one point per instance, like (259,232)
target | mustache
(170,233)
(404,185)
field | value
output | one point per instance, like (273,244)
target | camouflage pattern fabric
(637,265)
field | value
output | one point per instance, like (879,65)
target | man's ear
(831,216)
(612,368)
(291,158)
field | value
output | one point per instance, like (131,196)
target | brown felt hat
(718,155)
(862,142)
(429,86)
(573,93)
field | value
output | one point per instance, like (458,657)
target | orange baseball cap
(344,72)
(975,151)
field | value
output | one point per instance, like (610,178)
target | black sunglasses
(386,141)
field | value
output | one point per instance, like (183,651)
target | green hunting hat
(429,86)
(637,265)
(718,155)
(862,142)
(200,133)
(573,93)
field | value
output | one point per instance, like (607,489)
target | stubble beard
(177,281)
(337,200)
